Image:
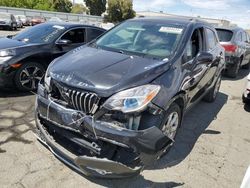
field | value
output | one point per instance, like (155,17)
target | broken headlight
(47,80)
(132,100)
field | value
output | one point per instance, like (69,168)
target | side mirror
(205,57)
(64,42)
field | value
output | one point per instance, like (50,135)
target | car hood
(104,72)
(6,43)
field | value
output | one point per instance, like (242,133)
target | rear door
(246,42)
(240,43)
(213,47)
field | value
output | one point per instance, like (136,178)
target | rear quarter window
(94,33)
(224,35)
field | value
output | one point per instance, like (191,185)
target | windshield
(43,33)
(142,38)
(224,35)
(4,16)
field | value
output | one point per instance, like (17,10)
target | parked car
(25,20)
(246,94)
(237,46)
(55,19)
(24,58)
(107,26)
(113,106)
(19,22)
(37,20)
(246,180)
(8,21)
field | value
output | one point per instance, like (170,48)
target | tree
(50,5)
(31,4)
(62,5)
(42,4)
(79,9)
(120,10)
(96,7)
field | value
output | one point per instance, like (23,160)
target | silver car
(8,21)
(237,49)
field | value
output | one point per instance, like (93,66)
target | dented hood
(104,72)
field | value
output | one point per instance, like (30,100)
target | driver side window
(75,36)
(195,44)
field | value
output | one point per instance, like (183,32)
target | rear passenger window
(212,39)
(94,33)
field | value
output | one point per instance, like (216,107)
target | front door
(77,37)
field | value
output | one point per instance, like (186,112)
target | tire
(245,100)
(28,76)
(173,112)
(247,66)
(213,92)
(233,71)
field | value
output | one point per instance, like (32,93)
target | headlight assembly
(132,100)
(47,80)
(4,59)
(5,55)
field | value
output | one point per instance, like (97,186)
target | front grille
(86,102)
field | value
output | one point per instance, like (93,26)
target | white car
(246,94)
(55,19)
(246,180)
(107,26)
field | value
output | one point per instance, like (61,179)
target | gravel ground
(212,148)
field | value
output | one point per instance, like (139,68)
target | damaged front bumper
(94,147)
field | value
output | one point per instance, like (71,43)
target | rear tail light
(230,47)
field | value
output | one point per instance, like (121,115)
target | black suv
(111,107)
(237,49)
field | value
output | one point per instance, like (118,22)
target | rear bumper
(230,61)
(147,145)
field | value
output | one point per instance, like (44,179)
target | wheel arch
(180,99)
(42,59)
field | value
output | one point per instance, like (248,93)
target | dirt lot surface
(212,148)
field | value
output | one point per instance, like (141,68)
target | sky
(236,11)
